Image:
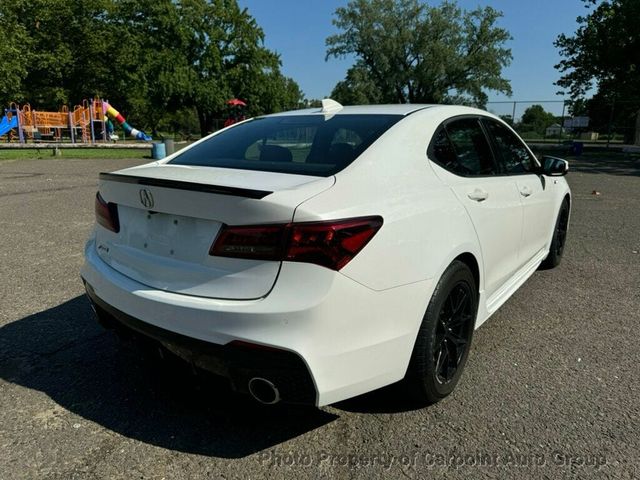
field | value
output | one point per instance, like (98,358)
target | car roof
(402,109)
(397,109)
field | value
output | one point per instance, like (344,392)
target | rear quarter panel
(425,227)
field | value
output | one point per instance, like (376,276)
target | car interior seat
(275,153)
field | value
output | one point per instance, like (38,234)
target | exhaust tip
(264,391)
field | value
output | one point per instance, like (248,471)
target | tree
(151,58)
(150,61)
(578,107)
(273,92)
(536,119)
(204,53)
(507,119)
(55,49)
(312,103)
(407,51)
(358,87)
(14,64)
(605,50)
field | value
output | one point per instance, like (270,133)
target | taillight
(331,244)
(256,242)
(107,214)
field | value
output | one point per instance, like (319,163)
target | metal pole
(513,115)
(71,129)
(104,121)
(34,121)
(613,106)
(20,132)
(93,135)
(564,105)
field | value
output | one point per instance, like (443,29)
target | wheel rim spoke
(441,359)
(451,337)
(458,321)
(460,302)
(452,357)
(457,340)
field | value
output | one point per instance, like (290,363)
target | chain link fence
(539,122)
(564,122)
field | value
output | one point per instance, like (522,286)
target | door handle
(525,191)
(478,195)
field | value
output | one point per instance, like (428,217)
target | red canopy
(236,101)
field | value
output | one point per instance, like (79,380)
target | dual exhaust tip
(263,391)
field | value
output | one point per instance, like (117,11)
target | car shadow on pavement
(390,399)
(64,353)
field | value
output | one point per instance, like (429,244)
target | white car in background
(314,255)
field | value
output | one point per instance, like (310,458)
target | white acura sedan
(314,255)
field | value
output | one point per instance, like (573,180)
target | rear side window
(461,147)
(513,156)
(300,144)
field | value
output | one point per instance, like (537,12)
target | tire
(444,338)
(558,241)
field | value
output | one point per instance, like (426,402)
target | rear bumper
(337,337)
(238,363)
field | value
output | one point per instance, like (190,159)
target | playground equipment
(237,111)
(129,130)
(8,123)
(87,123)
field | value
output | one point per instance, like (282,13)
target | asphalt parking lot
(550,390)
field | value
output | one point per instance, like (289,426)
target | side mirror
(554,167)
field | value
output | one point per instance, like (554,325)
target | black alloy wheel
(559,239)
(444,338)
(452,332)
(561,230)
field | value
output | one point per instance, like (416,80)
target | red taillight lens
(255,242)
(331,244)
(107,214)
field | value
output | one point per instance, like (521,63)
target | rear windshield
(301,144)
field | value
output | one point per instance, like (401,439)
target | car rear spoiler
(180,185)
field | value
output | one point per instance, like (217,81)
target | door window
(513,155)
(462,148)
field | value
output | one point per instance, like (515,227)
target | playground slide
(129,130)
(6,124)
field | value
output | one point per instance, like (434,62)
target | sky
(297,29)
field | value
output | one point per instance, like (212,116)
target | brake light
(331,244)
(107,214)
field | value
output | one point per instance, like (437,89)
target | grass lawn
(97,153)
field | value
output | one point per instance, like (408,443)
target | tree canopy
(407,51)
(536,119)
(605,52)
(151,58)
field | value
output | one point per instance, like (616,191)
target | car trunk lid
(170,215)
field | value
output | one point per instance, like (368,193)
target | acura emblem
(146,198)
